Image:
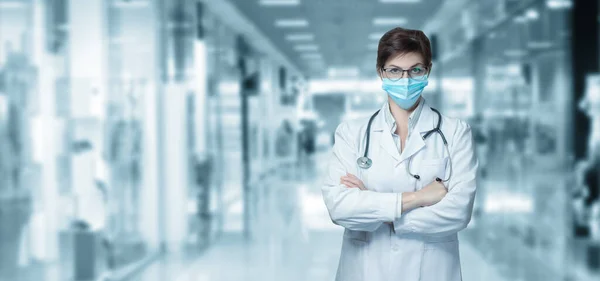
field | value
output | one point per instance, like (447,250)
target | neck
(401,115)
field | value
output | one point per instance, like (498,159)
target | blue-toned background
(187,139)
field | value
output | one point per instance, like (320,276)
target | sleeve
(453,212)
(352,208)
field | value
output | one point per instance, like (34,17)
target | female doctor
(401,183)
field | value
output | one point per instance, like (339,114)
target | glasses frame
(384,72)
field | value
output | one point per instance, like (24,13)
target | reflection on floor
(293,240)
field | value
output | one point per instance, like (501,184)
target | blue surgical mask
(405,92)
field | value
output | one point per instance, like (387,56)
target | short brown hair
(400,41)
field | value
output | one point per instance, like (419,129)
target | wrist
(420,200)
(411,200)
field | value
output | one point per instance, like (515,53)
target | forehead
(405,60)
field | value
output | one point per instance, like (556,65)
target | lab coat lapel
(416,142)
(386,141)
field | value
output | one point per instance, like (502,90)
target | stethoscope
(365,162)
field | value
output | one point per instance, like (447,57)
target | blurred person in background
(307,144)
(401,189)
(480,139)
(283,140)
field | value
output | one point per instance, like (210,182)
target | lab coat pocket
(441,261)
(431,169)
(352,260)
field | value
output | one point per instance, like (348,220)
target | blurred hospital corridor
(189,140)
(294,240)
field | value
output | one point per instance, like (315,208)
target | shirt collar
(412,118)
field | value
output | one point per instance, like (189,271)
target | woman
(401,215)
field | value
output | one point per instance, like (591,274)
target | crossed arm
(353,206)
(429,195)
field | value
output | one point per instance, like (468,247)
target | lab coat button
(395,248)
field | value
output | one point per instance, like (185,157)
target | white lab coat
(422,244)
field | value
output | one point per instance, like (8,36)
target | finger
(353,185)
(344,178)
(356,181)
(348,184)
(352,178)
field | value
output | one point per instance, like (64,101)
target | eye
(417,70)
(394,70)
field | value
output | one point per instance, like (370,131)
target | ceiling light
(559,4)
(540,44)
(291,23)
(312,56)
(300,37)
(532,14)
(515,53)
(279,2)
(375,36)
(130,4)
(389,21)
(399,1)
(308,47)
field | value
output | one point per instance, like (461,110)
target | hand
(432,193)
(351,181)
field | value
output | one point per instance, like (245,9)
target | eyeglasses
(418,72)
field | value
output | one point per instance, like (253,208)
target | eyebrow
(419,63)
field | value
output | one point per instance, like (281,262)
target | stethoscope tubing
(365,162)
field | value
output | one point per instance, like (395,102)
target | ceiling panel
(341,29)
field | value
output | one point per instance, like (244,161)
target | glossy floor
(294,240)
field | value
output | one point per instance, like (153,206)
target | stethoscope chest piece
(364,162)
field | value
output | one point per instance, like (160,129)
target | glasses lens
(392,73)
(418,73)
